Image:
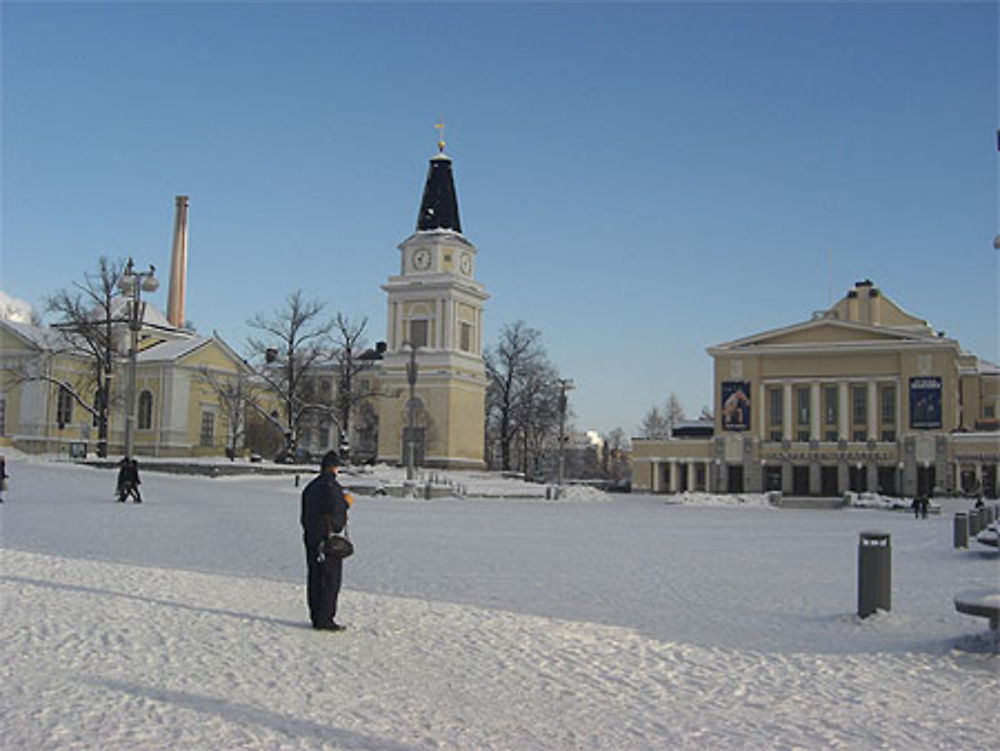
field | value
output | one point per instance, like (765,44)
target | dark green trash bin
(874,573)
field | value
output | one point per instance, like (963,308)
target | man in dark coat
(324,510)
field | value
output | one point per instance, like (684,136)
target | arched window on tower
(145,410)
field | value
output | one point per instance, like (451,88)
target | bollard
(427,491)
(874,573)
(984,518)
(296,480)
(973,523)
(960,533)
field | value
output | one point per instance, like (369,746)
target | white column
(692,475)
(873,411)
(762,412)
(400,329)
(843,416)
(655,464)
(815,412)
(674,479)
(788,418)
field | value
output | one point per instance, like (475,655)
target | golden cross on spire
(439,127)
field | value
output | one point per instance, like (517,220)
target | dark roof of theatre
(439,205)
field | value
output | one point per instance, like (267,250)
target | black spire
(439,206)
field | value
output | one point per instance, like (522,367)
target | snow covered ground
(597,622)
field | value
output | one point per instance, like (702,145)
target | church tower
(435,322)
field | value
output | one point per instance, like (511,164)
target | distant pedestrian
(979,502)
(3,477)
(917,503)
(134,481)
(925,504)
(122,484)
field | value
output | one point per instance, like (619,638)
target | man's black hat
(330,459)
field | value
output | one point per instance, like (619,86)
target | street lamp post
(411,408)
(133,283)
(565,384)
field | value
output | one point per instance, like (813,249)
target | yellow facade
(863,397)
(173,396)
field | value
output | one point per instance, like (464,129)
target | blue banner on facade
(925,402)
(736,405)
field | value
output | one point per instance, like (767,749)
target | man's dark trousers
(323,587)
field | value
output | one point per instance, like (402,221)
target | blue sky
(642,180)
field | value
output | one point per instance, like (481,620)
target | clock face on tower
(421,260)
(465,264)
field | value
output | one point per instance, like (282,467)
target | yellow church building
(178,410)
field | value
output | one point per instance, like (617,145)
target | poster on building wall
(735,405)
(925,402)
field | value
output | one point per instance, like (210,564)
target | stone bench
(982,602)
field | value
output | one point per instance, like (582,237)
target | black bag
(336,545)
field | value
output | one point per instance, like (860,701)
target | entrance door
(772,478)
(800,480)
(990,480)
(828,481)
(887,481)
(926,481)
(735,478)
(858,479)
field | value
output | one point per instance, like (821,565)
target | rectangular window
(989,411)
(418,333)
(888,394)
(3,417)
(831,436)
(802,405)
(465,337)
(207,428)
(775,410)
(859,435)
(802,436)
(830,398)
(775,407)
(859,404)
(324,438)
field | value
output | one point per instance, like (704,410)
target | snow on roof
(151,317)
(44,338)
(171,349)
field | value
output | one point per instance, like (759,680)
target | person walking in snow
(324,510)
(134,481)
(3,477)
(122,483)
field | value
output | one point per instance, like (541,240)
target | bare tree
(536,411)
(291,350)
(87,325)
(654,425)
(351,358)
(660,425)
(518,350)
(613,461)
(674,412)
(237,395)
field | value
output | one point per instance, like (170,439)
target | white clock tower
(435,321)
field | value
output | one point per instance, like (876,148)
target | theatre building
(862,397)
